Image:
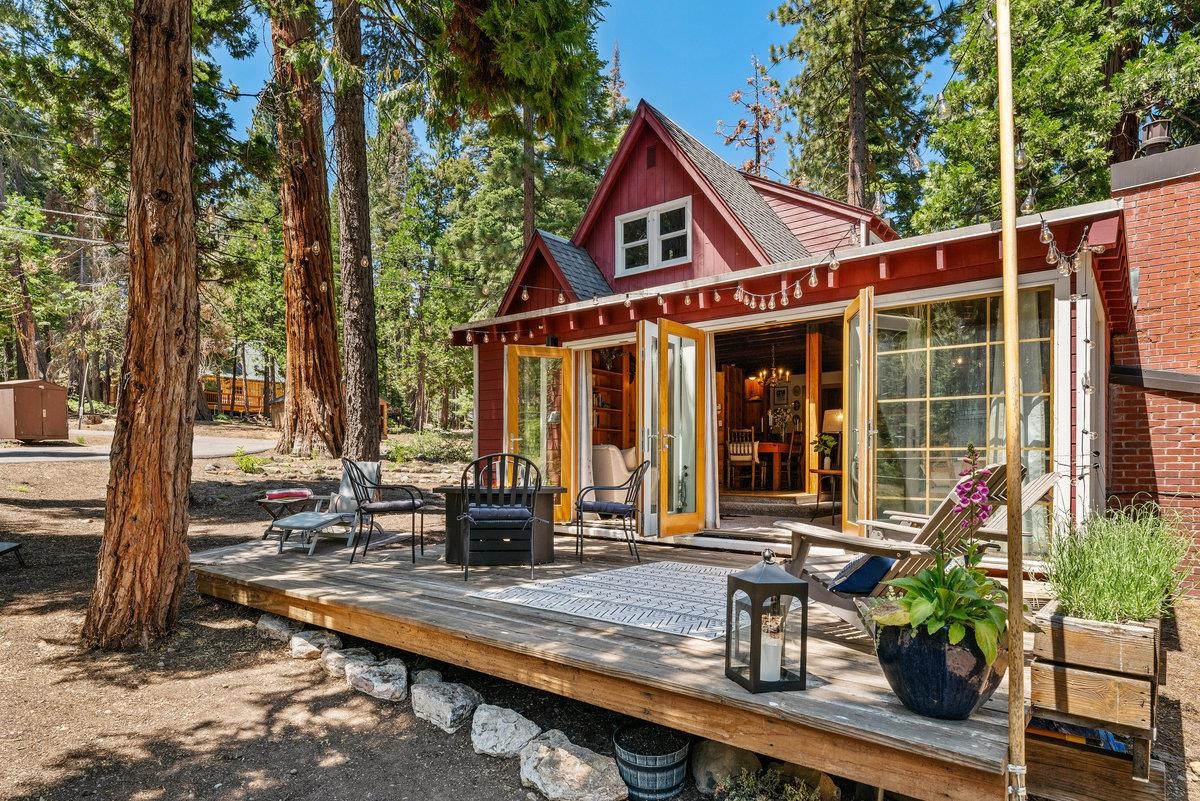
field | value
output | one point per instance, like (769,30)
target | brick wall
(1154,435)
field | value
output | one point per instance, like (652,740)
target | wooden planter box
(1099,675)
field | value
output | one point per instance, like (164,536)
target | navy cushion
(862,574)
(606,508)
(480,513)
(397,505)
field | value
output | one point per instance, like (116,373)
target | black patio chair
(369,496)
(626,511)
(15,549)
(499,491)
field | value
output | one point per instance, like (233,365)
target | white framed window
(655,237)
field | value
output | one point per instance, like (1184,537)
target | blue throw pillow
(862,574)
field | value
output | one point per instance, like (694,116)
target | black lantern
(766,627)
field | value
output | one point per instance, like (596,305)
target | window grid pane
(940,368)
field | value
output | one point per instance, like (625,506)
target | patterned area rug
(673,597)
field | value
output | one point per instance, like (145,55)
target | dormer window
(653,238)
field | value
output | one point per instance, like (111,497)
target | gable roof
(582,275)
(815,200)
(746,204)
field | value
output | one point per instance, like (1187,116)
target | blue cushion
(606,508)
(480,513)
(862,574)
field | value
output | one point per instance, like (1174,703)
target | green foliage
(824,444)
(950,596)
(766,785)
(900,39)
(1080,68)
(249,463)
(1122,566)
(433,445)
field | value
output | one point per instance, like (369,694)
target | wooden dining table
(778,451)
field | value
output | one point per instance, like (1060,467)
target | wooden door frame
(670,525)
(565,504)
(864,305)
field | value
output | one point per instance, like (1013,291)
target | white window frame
(653,238)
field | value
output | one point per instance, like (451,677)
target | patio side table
(543,533)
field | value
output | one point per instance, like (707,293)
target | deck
(848,723)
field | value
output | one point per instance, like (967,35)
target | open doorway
(779,389)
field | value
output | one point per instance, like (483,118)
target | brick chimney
(1154,393)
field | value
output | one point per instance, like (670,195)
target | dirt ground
(217,713)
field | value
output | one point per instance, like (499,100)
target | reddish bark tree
(143,559)
(354,238)
(312,411)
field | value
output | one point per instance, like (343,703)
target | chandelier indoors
(772,376)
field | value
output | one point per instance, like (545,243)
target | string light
(941,107)
(561,297)
(716,296)
(834,264)
(524,293)
(470,337)
(628,302)
(812,278)
(1069,263)
(661,301)
(1021,158)
(797,292)
(486,338)
(1029,204)
(687,300)
(1045,236)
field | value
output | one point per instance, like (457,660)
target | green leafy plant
(431,446)
(766,785)
(824,444)
(949,595)
(1126,565)
(248,463)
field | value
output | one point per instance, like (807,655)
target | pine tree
(1085,73)
(857,97)
(758,130)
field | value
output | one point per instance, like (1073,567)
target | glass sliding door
(681,428)
(539,415)
(858,401)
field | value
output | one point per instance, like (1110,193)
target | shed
(32,410)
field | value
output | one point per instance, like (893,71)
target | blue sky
(683,56)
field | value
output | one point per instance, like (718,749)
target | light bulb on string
(797,291)
(687,300)
(486,339)
(988,19)
(561,297)
(812,278)
(628,302)
(1021,158)
(470,337)
(1052,254)
(485,292)
(1045,236)
(524,293)
(783,299)
(771,303)
(941,107)
(503,337)
(834,264)
(716,296)
(1029,204)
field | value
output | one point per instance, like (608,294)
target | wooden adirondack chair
(910,545)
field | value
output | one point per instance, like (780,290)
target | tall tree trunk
(143,559)
(24,324)
(245,384)
(1124,138)
(528,188)
(312,413)
(354,239)
(420,402)
(445,416)
(856,166)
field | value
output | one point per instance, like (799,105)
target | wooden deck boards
(847,723)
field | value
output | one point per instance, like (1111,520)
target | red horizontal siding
(817,229)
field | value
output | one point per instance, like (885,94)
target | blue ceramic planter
(934,678)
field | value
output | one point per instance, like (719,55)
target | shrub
(767,785)
(431,446)
(248,463)
(1127,565)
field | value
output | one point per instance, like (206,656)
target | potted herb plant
(940,638)
(1114,578)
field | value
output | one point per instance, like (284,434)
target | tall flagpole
(1012,406)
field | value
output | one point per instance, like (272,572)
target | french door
(647,417)
(681,428)
(858,400)
(539,415)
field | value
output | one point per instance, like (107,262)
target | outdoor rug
(672,597)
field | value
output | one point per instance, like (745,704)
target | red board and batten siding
(716,247)
(490,398)
(1154,435)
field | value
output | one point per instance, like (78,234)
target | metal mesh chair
(626,511)
(369,496)
(499,491)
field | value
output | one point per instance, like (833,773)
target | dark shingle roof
(749,207)
(582,274)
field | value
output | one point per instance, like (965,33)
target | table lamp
(832,422)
